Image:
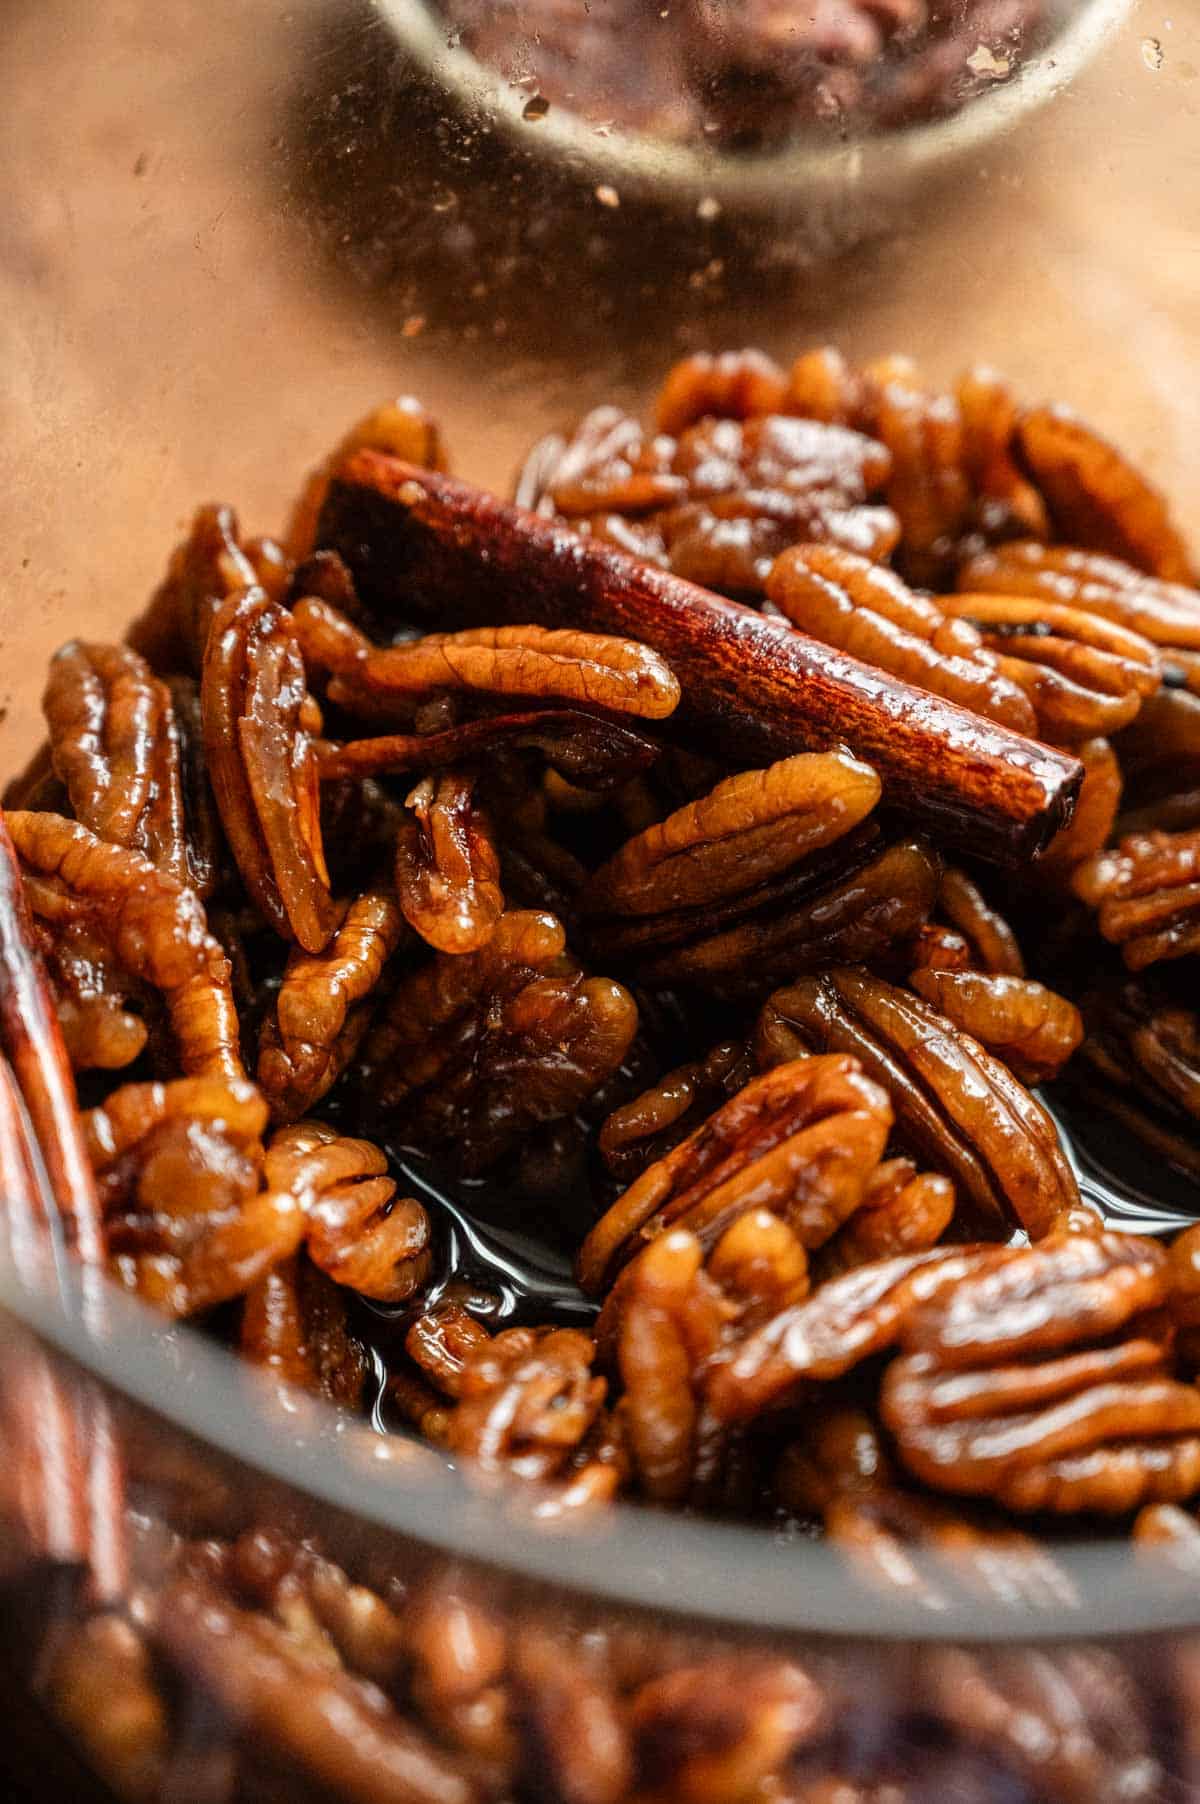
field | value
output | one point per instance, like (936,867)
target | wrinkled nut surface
(257,741)
(322,1009)
(116,747)
(154,929)
(474,1050)
(868,611)
(594,669)
(1010,1387)
(802,1140)
(1097,500)
(357,1231)
(294,1325)
(1166,613)
(749,829)
(1146,892)
(1083,674)
(956,1104)
(1033,1029)
(447,864)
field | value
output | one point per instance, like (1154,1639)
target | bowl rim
(639,163)
(627,1555)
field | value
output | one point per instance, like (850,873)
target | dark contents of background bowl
(747,73)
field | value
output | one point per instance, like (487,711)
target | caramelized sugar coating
(1146,892)
(815,1303)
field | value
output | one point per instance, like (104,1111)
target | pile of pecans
(322,895)
(745,73)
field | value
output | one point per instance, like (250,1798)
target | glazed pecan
(802,1140)
(1070,1723)
(1097,499)
(1095,813)
(1014,1387)
(652,1123)
(401,427)
(845,1321)
(593,669)
(180,1170)
(149,926)
(898,1541)
(258,718)
(528,1403)
(867,610)
(752,827)
(936,463)
(1146,1052)
(1166,613)
(862,901)
(576,1739)
(357,1231)
(732,385)
(103,1688)
(1083,674)
(1033,1029)
(956,1105)
(1146,893)
(116,747)
(725,1729)
(205,570)
(991,942)
(903,1210)
(1006,505)
(475,1050)
(668,1315)
(339,1728)
(323,1007)
(719,501)
(447,865)
(294,1325)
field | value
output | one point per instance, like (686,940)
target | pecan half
(956,1105)
(1146,892)
(358,1232)
(733,385)
(802,1140)
(595,669)
(860,902)
(1033,1029)
(748,830)
(294,1325)
(1096,498)
(180,1172)
(153,928)
(257,714)
(337,1727)
(718,501)
(651,1124)
(322,1010)
(1095,813)
(719,1732)
(1014,1387)
(1166,613)
(475,1050)
(1083,674)
(447,865)
(868,611)
(115,744)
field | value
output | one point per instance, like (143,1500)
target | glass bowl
(230,229)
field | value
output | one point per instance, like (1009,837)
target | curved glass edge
(627,1555)
(884,162)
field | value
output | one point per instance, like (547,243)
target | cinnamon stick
(422,544)
(62,1425)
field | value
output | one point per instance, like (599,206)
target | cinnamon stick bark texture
(422,544)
